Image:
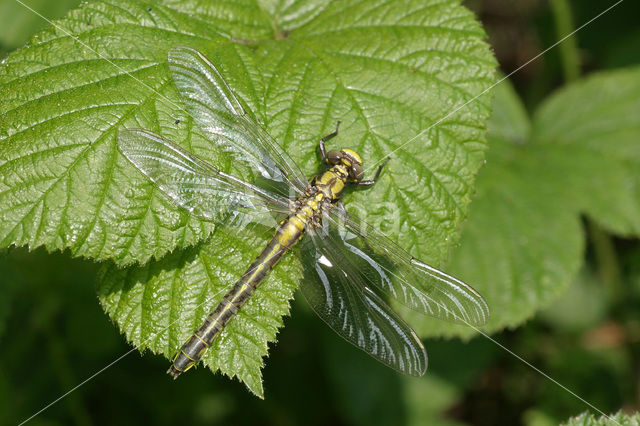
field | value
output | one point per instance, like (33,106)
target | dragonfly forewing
(195,185)
(220,115)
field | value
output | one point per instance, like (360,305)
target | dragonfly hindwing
(391,270)
(339,293)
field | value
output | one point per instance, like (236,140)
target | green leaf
(393,72)
(523,242)
(588,419)
(594,148)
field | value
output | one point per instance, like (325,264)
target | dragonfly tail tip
(173,372)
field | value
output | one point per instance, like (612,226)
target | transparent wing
(390,269)
(194,184)
(340,295)
(211,103)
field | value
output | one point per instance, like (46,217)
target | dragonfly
(351,269)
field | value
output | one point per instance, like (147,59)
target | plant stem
(569,54)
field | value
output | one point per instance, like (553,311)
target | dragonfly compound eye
(334,157)
(356,172)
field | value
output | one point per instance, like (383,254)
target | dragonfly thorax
(331,183)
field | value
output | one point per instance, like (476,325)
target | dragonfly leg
(371,182)
(323,152)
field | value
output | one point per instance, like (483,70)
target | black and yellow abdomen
(286,236)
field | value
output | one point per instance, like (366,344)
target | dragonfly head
(350,159)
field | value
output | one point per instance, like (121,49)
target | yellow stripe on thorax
(333,180)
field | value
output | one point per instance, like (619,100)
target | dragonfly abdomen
(289,232)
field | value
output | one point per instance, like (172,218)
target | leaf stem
(569,55)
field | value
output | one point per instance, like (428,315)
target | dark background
(54,335)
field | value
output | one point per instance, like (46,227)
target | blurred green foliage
(54,335)
(18,23)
